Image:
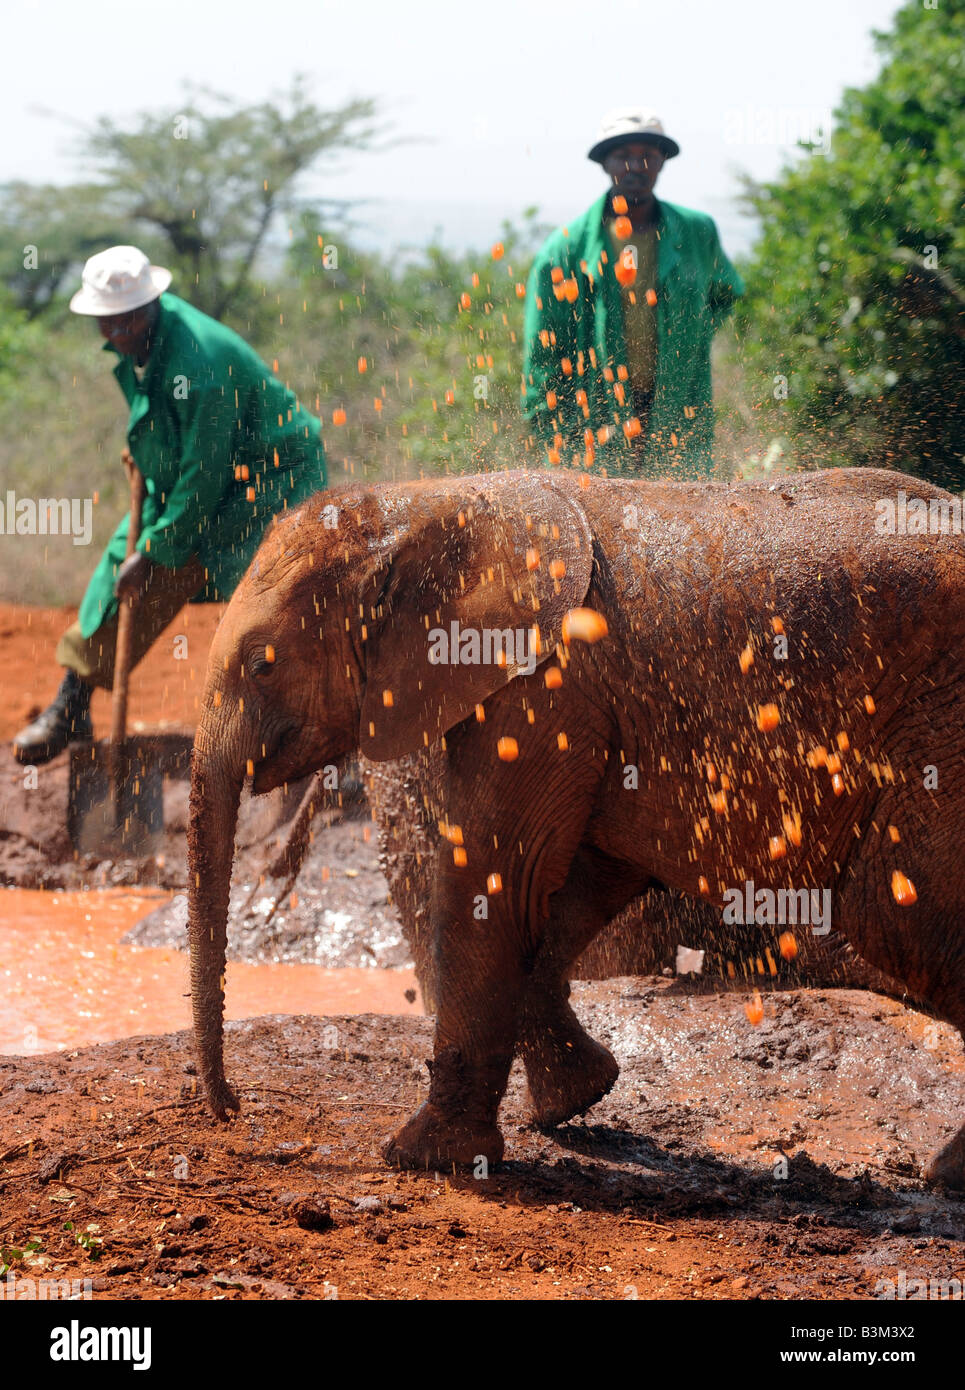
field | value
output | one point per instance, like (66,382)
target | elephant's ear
(471,560)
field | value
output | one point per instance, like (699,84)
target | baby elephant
(722,689)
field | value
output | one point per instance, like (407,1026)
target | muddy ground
(777,1162)
(728,1162)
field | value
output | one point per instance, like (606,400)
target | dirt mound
(727,1162)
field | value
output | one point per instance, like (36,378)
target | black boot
(66,719)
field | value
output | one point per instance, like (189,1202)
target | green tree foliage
(854,287)
(200,187)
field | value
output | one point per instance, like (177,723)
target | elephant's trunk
(215,797)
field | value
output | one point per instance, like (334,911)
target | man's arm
(726,285)
(204,478)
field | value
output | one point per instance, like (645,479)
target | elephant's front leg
(480,976)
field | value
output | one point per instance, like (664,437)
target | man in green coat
(222,445)
(621,309)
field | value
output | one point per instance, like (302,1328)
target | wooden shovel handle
(125,614)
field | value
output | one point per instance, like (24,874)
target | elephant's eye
(262,661)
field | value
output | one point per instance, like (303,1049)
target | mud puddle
(69,978)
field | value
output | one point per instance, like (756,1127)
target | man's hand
(132,576)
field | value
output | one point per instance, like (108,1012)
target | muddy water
(66,980)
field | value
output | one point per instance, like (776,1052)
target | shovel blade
(131,823)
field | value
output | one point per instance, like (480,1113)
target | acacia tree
(201,186)
(854,303)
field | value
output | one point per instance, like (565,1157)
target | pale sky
(504,97)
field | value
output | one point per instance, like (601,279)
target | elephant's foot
(567,1073)
(948,1165)
(221,1098)
(457,1124)
(432,1139)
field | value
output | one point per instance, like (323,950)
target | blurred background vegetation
(848,348)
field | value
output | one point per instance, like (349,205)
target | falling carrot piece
(837,784)
(494,883)
(551,400)
(556,275)
(623,228)
(250,767)
(792,828)
(465,299)
(844,743)
(450,397)
(553,678)
(777,847)
(557,569)
(777,625)
(584,625)
(754,1009)
(387,699)
(651,298)
(520,290)
(869,704)
(338,417)
(363,364)
(459,857)
(498,251)
(893,834)
(818,757)
(833,763)
(632,427)
(480,714)
(566,366)
(250,494)
(269,652)
(711,773)
(532,558)
(508,750)
(703,887)
(718,802)
(625,272)
(787,944)
(746,659)
(619,203)
(903,890)
(768,717)
(562,742)
(571,289)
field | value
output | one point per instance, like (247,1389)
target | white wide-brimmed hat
(118,280)
(631,123)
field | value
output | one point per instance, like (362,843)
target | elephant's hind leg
(567,1070)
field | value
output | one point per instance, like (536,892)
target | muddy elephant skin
(722,690)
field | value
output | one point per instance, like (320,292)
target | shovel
(115,801)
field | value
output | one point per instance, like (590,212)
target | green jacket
(207,411)
(696,289)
